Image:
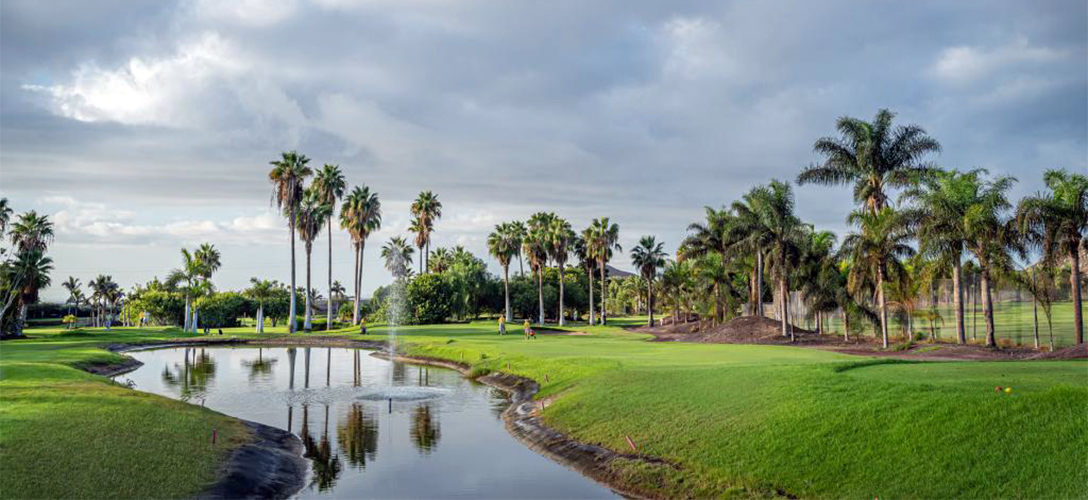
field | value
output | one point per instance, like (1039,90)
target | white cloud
(246,12)
(966,64)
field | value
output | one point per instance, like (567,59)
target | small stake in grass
(215,435)
(631,443)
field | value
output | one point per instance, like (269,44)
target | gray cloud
(162,116)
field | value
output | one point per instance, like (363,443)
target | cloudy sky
(143,127)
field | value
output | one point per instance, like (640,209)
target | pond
(442,437)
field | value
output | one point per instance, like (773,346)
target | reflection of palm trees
(356,369)
(307,384)
(358,436)
(398,372)
(192,376)
(425,431)
(326,465)
(291,359)
(260,367)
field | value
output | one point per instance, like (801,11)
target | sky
(145,127)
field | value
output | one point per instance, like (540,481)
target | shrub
(431,299)
(221,310)
(69,320)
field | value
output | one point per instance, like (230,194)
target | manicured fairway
(736,420)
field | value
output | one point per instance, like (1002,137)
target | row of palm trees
(106,296)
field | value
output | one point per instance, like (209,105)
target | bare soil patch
(1079,351)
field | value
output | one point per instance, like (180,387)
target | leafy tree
(430,296)
(1057,222)
(288,176)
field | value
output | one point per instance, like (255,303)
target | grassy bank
(737,420)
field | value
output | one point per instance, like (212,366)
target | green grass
(737,420)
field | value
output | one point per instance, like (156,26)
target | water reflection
(425,431)
(260,368)
(192,375)
(326,464)
(430,448)
(358,436)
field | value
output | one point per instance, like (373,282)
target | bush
(69,320)
(221,310)
(163,308)
(431,297)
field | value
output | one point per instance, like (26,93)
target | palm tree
(786,233)
(422,234)
(648,257)
(519,231)
(816,255)
(330,184)
(312,214)
(398,257)
(1057,222)
(560,239)
(876,251)
(443,259)
(288,176)
(27,274)
(336,293)
(261,291)
(536,246)
(938,212)
(873,157)
(185,278)
(750,236)
(5,216)
(72,286)
(427,209)
(500,243)
(32,232)
(588,262)
(712,239)
(606,235)
(361,215)
(991,235)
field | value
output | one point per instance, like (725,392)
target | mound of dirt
(1079,351)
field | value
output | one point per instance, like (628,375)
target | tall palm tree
(648,257)
(330,184)
(589,263)
(714,239)
(938,212)
(816,255)
(427,209)
(1057,223)
(751,236)
(27,274)
(606,235)
(877,250)
(560,240)
(398,257)
(774,204)
(336,293)
(535,248)
(5,216)
(72,286)
(185,278)
(361,215)
(32,232)
(312,214)
(872,156)
(519,231)
(261,291)
(422,234)
(991,236)
(500,243)
(288,178)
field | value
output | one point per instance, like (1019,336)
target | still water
(442,438)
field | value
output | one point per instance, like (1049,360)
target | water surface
(443,437)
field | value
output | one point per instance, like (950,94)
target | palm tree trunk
(846,324)
(260,319)
(957,301)
(540,291)
(650,301)
(309,325)
(427,259)
(506,290)
(988,309)
(883,307)
(719,313)
(359,281)
(291,313)
(759,282)
(1074,282)
(188,311)
(604,296)
(355,286)
(328,320)
(421,260)
(561,320)
(589,273)
(782,304)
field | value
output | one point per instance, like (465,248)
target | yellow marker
(1008,390)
